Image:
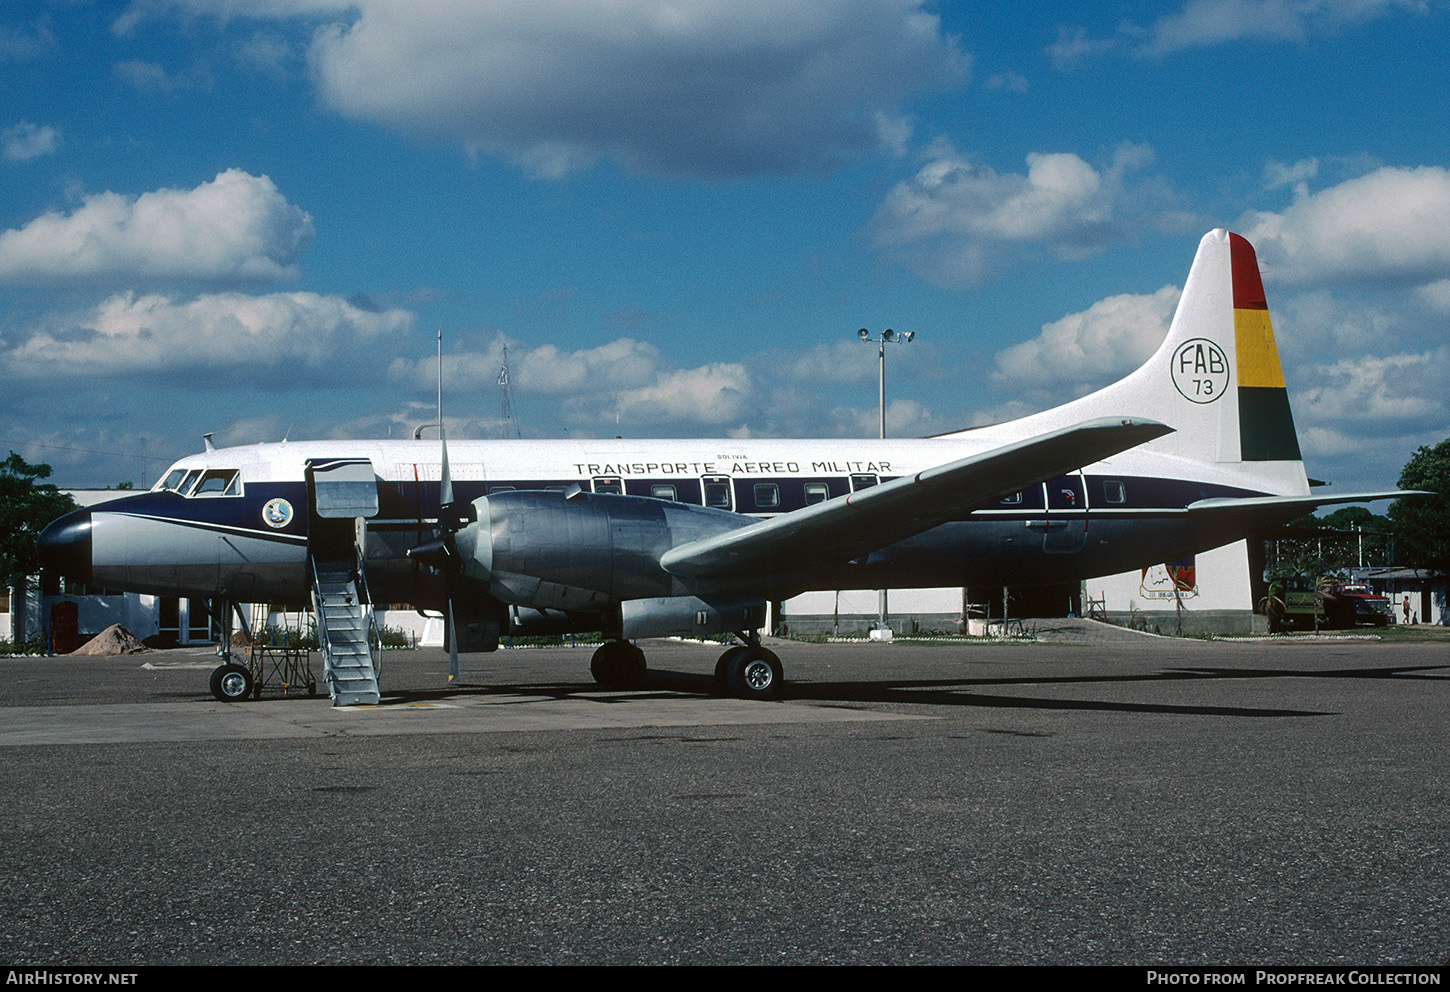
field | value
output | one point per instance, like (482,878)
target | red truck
(1350,604)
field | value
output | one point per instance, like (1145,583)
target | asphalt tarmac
(1149,802)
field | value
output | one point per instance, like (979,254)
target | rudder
(1266,424)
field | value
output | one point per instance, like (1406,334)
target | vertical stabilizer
(1215,379)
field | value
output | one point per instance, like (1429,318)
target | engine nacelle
(527,622)
(688,616)
(581,552)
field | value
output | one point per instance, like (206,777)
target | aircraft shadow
(955,693)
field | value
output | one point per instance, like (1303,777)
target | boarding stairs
(346,632)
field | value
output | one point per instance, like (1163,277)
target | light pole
(883,632)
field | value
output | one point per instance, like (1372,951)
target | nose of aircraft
(65,546)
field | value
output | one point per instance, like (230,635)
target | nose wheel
(231,682)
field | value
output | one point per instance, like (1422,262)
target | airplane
(650,538)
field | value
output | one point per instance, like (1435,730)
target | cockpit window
(185,486)
(171,481)
(219,482)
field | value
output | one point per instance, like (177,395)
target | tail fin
(1216,378)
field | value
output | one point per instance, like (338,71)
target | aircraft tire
(618,665)
(722,668)
(231,683)
(755,673)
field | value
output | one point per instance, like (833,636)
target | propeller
(460,552)
(448,528)
(441,553)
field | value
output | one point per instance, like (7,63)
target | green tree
(1422,523)
(1330,546)
(25,508)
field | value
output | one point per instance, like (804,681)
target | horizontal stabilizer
(1287,507)
(848,527)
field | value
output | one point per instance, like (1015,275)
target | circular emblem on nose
(1200,370)
(277,513)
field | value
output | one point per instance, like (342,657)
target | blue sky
(253,218)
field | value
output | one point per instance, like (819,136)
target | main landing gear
(746,671)
(749,671)
(618,665)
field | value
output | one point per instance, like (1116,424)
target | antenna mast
(508,423)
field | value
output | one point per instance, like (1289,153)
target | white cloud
(1389,227)
(1206,23)
(712,394)
(1203,23)
(624,382)
(846,361)
(1278,174)
(142,336)
(1436,295)
(26,141)
(546,369)
(955,222)
(1091,348)
(1310,325)
(1073,46)
(710,87)
(21,44)
(622,363)
(1404,388)
(1008,81)
(904,418)
(237,227)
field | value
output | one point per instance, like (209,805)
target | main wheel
(754,673)
(231,683)
(722,668)
(618,665)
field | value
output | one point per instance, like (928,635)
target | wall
(1214,595)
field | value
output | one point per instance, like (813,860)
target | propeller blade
(452,642)
(446,519)
(447,524)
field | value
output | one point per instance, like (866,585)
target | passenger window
(1012,500)
(501,489)
(817,492)
(613,487)
(767,495)
(663,492)
(1114,491)
(860,482)
(717,493)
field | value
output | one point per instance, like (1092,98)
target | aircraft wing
(847,527)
